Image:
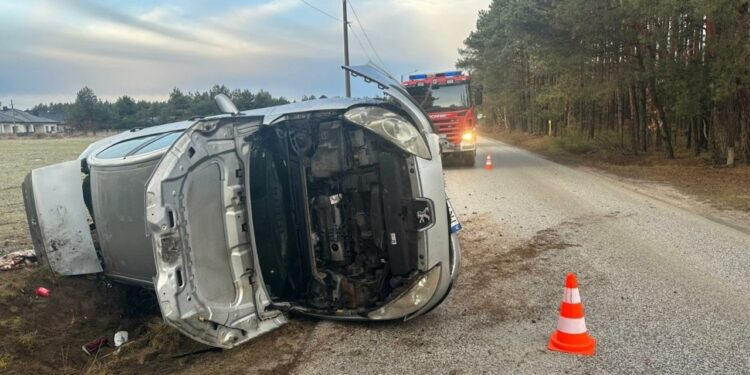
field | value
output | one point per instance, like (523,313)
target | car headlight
(412,300)
(468,136)
(392,127)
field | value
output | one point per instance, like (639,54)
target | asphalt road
(664,280)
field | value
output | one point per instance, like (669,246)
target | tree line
(89,113)
(649,73)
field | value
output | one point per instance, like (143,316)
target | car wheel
(469,159)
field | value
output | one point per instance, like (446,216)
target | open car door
(208,279)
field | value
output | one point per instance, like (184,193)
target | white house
(14,121)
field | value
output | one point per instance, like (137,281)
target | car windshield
(437,98)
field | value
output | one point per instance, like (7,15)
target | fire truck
(448,99)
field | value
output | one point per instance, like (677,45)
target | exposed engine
(355,188)
(347,216)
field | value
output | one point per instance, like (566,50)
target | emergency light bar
(453,73)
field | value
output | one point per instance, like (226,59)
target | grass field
(17,158)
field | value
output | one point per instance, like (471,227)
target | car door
(208,279)
(57,217)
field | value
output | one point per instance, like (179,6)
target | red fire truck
(448,99)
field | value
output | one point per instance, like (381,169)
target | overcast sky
(143,48)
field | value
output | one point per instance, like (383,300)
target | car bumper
(451,148)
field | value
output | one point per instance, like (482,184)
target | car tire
(469,159)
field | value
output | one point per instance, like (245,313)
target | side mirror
(225,105)
(478,95)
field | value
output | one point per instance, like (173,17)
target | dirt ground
(44,335)
(722,187)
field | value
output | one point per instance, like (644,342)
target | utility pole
(347,83)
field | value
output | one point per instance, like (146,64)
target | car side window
(120,150)
(158,144)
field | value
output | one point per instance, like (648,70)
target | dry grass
(19,156)
(723,187)
(5,361)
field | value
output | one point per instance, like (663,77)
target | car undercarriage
(329,203)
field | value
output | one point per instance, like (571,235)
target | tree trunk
(643,116)
(663,125)
(730,156)
(620,118)
(716,152)
(634,120)
(744,138)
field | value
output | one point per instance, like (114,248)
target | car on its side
(333,208)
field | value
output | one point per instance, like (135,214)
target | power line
(322,11)
(361,46)
(356,16)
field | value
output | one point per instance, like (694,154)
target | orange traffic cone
(488,163)
(571,335)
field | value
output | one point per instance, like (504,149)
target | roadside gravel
(664,282)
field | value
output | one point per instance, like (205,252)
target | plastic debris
(17,259)
(93,347)
(42,292)
(121,337)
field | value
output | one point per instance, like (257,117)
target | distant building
(17,122)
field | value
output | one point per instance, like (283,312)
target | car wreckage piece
(333,208)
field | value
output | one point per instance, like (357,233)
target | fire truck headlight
(392,127)
(468,137)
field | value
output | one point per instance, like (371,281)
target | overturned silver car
(333,208)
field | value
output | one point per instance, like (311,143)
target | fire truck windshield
(441,98)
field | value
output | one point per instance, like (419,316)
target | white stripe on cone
(571,326)
(571,295)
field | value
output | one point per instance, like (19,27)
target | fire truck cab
(448,99)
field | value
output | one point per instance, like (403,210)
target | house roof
(55,116)
(15,116)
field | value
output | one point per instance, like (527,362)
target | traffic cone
(571,335)
(488,163)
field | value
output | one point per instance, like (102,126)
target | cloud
(97,10)
(146,48)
